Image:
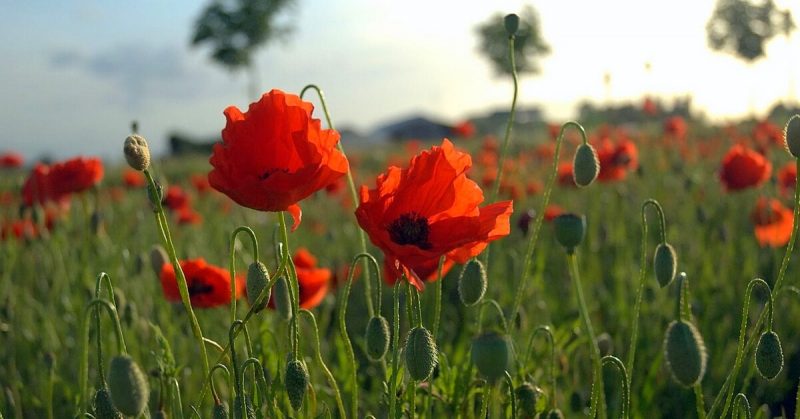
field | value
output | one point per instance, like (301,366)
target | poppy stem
(437,309)
(232,264)
(511,395)
(337,395)
(294,289)
(110,291)
(183,288)
(551,342)
(626,392)
(395,349)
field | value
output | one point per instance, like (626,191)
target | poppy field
(640,270)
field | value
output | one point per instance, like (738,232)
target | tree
(236,28)
(528,44)
(742,27)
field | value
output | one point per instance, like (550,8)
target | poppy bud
(296,383)
(552,414)
(511,22)
(238,402)
(377,338)
(530,400)
(605,344)
(283,304)
(161,414)
(585,166)
(158,257)
(137,153)
(257,280)
(472,283)
(769,355)
(420,353)
(491,354)
(220,411)
(665,264)
(103,407)
(155,194)
(791,136)
(127,385)
(570,229)
(685,353)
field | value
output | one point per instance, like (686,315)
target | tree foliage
(528,43)
(235,28)
(743,27)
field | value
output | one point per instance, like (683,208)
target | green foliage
(742,27)
(529,44)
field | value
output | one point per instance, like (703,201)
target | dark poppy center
(410,228)
(198,287)
(267,173)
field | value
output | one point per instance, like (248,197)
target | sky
(76,73)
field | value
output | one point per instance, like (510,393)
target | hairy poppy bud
(257,280)
(665,264)
(585,166)
(791,136)
(605,344)
(127,385)
(296,383)
(552,414)
(420,353)
(472,283)
(158,257)
(377,338)
(769,355)
(283,304)
(511,22)
(570,229)
(103,407)
(530,400)
(220,411)
(685,353)
(245,402)
(137,153)
(491,354)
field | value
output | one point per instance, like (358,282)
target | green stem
(232,263)
(343,300)
(740,403)
(511,395)
(698,397)
(437,309)
(238,388)
(260,379)
(598,394)
(294,289)
(626,391)
(488,394)
(183,288)
(498,309)
(551,341)
(102,277)
(395,350)
(337,395)
(175,398)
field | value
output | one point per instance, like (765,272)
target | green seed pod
(492,355)
(249,412)
(585,166)
(296,383)
(769,355)
(530,400)
(220,411)
(103,407)
(257,280)
(158,257)
(605,344)
(377,338)
(685,353)
(570,229)
(127,385)
(791,135)
(137,153)
(283,304)
(472,283)
(552,414)
(511,22)
(665,264)
(420,353)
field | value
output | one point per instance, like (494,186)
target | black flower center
(410,228)
(267,173)
(198,287)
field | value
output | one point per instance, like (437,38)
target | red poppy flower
(176,198)
(200,183)
(649,106)
(275,155)
(187,215)
(37,189)
(465,129)
(675,126)
(313,281)
(743,168)
(564,175)
(772,222)
(616,160)
(209,285)
(133,178)
(552,211)
(10,160)
(787,178)
(418,214)
(20,229)
(75,175)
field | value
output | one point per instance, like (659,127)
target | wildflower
(200,183)
(564,175)
(275,155)
(772,222)
(616,159)
(464,129)
(133,178)
(675,126)
(37,188)
(209,285)
(313,281)
(75,175)
(186,215)
(743,168)
(428,210)
(10,160)
(787,178)
(176,198)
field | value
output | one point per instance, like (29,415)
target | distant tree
(743,27)
(529,44)
(235,29)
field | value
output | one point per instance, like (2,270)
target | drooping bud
(137,153)
(530,400)
(220,411)
(296,383)
(377,338)
(552,414)
(685,353)
(665,264)
(472,283)
(791,135)
(605,344)
(103,407)
(511,22)
(158,257)
(283,304)
(491,354)
(585,166)
(769,355)
(570,229)
(257,280)
(127,385)
(420,353)
(239,402)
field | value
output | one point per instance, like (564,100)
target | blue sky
(77,72)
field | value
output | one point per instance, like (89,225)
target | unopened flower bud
(769,355)
(127,385)
(552,414)
(570,229)
(243,402)
(137,153)
(491,354)
(530,400)
(420,353)
(585,166)
(283,304)
(220,411)
(472,283)
(257,281)
(685,353)
(103,407)
(511,22)
(665,264)
(377,338)
(296,383)
(791,136)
